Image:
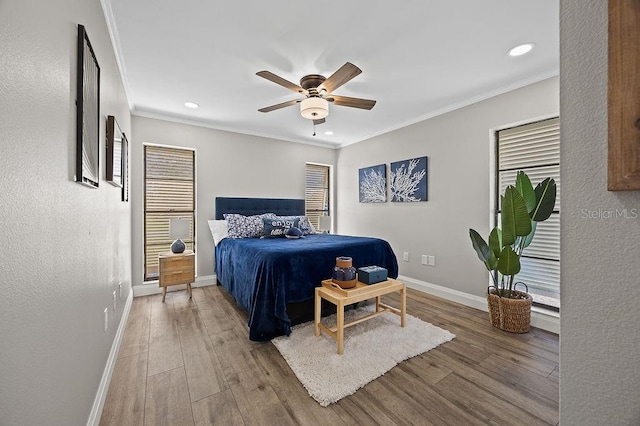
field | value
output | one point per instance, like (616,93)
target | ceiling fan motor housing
(311,81)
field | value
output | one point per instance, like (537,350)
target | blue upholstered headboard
(251,206)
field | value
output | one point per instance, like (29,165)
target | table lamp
(178,229)
(324,224)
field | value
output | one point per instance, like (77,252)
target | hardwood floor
(190,362)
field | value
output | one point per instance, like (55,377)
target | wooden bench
(340,297)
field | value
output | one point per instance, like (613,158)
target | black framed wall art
(114,160)
(125,168)
(87,113)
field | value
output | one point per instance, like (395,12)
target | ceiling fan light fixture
(314,108)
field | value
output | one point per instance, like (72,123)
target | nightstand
(177,268)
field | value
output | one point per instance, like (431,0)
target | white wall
(600,343)
(458,145)
(228,165)
(64,246)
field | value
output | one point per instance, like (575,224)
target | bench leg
(340,328)
(318,304)
(403,306)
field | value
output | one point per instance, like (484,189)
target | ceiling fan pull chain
(314,128)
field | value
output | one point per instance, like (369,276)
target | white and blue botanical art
(373,184)
(408,180)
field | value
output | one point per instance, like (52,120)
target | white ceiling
(419,58)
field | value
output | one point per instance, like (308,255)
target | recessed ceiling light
(521,49)
(191,105)
(328,133)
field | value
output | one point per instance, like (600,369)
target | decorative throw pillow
(245,226)
(305,225)
(277,227)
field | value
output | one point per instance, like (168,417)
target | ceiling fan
(318,92)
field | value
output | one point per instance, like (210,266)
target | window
(169,191)
(316,193)
(535,149)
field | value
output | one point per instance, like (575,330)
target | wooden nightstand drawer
(176,277)
(172,264)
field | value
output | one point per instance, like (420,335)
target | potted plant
(522,208)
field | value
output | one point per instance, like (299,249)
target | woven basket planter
(512,315)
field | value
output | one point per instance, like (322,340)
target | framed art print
(87,113)
(623,172)
(408,180)
(372,183)
(114,160)
(125,168)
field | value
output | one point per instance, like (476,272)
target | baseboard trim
(101,396)
(540,318)
(545,319)
(151,287)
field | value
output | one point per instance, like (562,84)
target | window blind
(535,149)
(169,192)
(316,192)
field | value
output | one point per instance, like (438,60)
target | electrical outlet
(405,256)
(425,259)
(106,319)
(432,261)
(120,290)
(115,300)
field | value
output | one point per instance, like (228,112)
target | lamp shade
(314,108)
(324,223)
(179,227)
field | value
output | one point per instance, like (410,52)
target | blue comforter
(263,275)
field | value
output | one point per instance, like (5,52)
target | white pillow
(312,229)
(219,230)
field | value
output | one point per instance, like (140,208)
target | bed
(274,279)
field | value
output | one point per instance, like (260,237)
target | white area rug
(371,348)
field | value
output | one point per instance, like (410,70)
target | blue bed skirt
(264,275)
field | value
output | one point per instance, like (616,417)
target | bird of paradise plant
(522,208)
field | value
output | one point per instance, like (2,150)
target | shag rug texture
(371,348)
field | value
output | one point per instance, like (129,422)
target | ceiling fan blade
(281,81)
(278,106)
(319,121)
(352,102)
(340,77)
